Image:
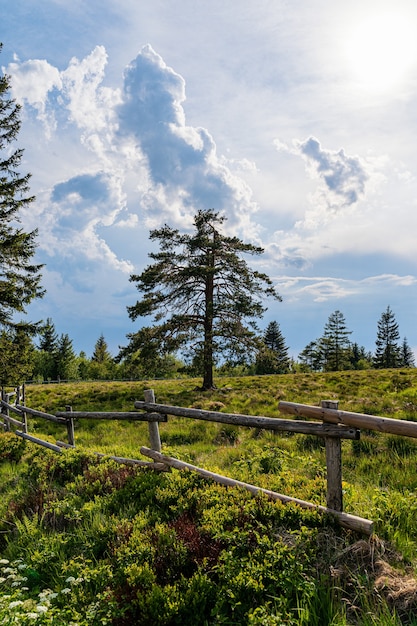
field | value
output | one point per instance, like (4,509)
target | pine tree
(19,276)
(312,357)
(201,290)
(17,355)
(335,343)
(47,358)
(406,355)
(387,352)
(272,358)
(101,352)
(102,365)
(66,359)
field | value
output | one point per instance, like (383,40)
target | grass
(78,506)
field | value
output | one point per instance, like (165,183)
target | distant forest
(50,357)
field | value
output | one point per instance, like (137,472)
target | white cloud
(32,82)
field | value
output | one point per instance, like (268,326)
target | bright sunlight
(382,51)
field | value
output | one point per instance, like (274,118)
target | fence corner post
(154,437)
(333,464)
(70,427)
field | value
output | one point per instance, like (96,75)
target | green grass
(169,546)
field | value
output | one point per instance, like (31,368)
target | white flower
(15,603)
(41,608)
(4,562)
(66,590)
(32,615)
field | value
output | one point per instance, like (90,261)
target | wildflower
(4,562)
(41,608)
(32,615)
(66,590)
(15,603)
(70,580)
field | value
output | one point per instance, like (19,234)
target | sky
(296,120)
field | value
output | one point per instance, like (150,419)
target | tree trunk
(208,382)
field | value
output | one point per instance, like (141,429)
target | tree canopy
(203,295)
(19,276)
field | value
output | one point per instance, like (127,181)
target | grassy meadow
(88,541)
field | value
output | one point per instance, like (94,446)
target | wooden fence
(334,426)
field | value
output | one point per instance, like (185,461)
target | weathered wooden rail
(334,426)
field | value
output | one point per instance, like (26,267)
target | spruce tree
(335,343)
(101,352)
(66,360)
(273,358)
(406,355)
(19,275)
(387,352)
(201,291)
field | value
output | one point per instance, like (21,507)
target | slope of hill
(85,540)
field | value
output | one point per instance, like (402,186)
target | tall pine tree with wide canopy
(203,294)
(19,276)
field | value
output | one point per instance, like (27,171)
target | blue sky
(295,119)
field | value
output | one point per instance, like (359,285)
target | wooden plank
(39,442)
(150,464)
(35,413)
(358,420)
(11,407)
(345,519)
(17,423)
(115,415)
(267,423)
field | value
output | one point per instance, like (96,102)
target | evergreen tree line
(52,357)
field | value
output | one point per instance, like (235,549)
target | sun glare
(382,51)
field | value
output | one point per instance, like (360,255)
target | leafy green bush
(12,448)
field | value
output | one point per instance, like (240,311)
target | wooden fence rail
(335,425)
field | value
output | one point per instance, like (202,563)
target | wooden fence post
(6,414)
(153,426)
(333,465)
(70,427)
(20,399)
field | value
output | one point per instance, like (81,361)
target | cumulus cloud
(77,209)
(341,180)
(33,81)
(185,171)
(343,175)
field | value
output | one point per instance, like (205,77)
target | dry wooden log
(17,423)
(358,420)
(267,423)
(35,413)
(353,522)
(115,415)
(39,442)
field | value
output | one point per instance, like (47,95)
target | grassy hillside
(123,545)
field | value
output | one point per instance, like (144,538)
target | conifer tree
(387,352)
(66,361)
(406,354)
(273,358)
(101,352)
(335,343)
(201,291)
(19,275)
